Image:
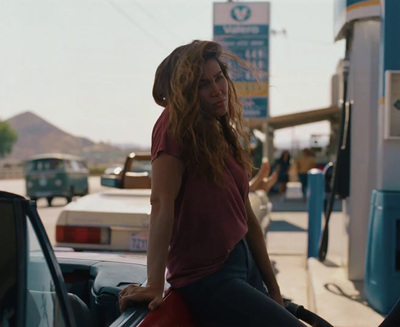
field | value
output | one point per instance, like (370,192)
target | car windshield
(42,299)
(139,166)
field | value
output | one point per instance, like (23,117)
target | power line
(141,8)
(132,21)
(283,32)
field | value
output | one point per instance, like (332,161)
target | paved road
(48,214)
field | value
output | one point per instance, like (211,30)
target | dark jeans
(236,296)
(303,181)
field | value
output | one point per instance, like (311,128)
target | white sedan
(114,220)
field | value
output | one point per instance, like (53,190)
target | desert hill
(36,135)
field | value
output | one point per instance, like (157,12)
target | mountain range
(36,135)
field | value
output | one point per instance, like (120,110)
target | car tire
(70,195)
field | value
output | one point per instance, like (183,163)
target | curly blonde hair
(204,140)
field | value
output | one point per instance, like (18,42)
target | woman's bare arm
(166,181)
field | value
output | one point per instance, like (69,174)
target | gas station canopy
(330,113)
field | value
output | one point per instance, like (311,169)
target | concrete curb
(310,288)
(337,299)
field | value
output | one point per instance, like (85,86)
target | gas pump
(382,268)
(338,174)
(371,204)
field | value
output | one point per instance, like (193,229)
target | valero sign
(243,29)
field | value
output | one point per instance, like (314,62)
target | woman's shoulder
(161,125)
(163,118)
(162,141)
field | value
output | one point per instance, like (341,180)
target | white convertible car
(118,219)
(115,219)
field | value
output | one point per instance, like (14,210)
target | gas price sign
(243,29)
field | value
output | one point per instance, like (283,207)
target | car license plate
(138,243)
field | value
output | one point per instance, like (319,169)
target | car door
(31,291)
(32,288)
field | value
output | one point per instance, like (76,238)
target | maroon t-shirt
(209,220)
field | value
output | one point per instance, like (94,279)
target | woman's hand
(134,293)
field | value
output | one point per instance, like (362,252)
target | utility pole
(268,148)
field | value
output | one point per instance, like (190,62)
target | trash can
(382,271)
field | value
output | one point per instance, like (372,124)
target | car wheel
(49,200)
(70,195)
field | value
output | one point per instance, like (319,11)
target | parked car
(112,220)
(117,219)
(114,170)
(135,174)
(50,175)
(40,287)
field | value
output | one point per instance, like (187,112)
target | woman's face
(213,89)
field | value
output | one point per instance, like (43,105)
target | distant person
(282,167)
(202,226)
(304,163)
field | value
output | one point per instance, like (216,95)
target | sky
(87,66)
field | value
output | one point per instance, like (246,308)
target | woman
(202,228)
(283,166)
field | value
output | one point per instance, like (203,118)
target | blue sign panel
(243,29)
(390,69)
(255,107)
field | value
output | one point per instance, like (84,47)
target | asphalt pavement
(321,287)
